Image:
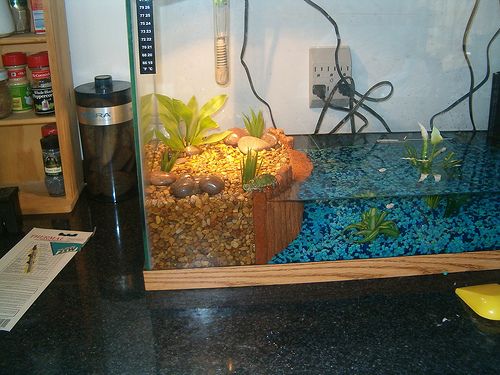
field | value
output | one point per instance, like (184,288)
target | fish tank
(310,141)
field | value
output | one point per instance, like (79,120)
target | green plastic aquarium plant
(168,160)
(427,160)
(372,225)
(249,166)
(185,124)
(254,123)
(454,202)
(432,201)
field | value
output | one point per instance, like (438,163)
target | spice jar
(41,85)
(19,88)
(21,15)
(5,99)
(54,180)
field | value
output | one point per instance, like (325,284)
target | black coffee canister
(106,129)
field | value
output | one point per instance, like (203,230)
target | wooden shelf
(34,199)
(20,134)
(28,38)
(27,118)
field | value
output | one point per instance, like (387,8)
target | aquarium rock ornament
(425,162)
(260,182)
(372,224)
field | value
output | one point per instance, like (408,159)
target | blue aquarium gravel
(350,180)
(423,230)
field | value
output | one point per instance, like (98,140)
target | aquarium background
(417,45)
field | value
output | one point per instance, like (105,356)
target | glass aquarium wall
(303,131)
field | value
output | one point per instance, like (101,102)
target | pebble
(160,178)
(270,139)
(192,150)
(233,138)
(211,184)
(183,187)
(252,143)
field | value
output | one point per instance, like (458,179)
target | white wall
(414,44)
(98,39)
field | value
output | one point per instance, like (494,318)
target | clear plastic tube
(221,41)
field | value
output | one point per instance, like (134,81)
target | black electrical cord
(479,85)
(467,60)
(375,114)
(357,114)
(359,103)
(242,55)
(343,81)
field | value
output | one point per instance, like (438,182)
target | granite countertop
(95,318)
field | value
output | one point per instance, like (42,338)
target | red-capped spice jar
(49,129)
(41,84)
(19,87)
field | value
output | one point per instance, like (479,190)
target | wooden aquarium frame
(318,272)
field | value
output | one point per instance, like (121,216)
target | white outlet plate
(322,71)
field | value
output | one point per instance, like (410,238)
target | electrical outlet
(323,74)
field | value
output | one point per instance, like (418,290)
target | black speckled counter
(95,318)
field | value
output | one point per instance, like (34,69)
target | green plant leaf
(381,218)
(391,232)
(216,137)
(168,160)
(212,106)
(174,141)
(203,126)
(165,104)
(254,124)
(369,237)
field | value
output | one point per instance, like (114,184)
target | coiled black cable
(343,81)
(467,60)
(479,85)
(242,55)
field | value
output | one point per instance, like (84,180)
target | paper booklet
(29,267)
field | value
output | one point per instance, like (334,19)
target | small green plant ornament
(372,224)
(249,166)
(427,160)
(254,123)
(185,124)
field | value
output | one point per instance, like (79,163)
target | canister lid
(3,75)
(103,92)
(14,58)
(38,59)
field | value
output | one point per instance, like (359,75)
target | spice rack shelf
(20,134)
(28,38)
(27,118)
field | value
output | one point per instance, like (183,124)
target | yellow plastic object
(484,300)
